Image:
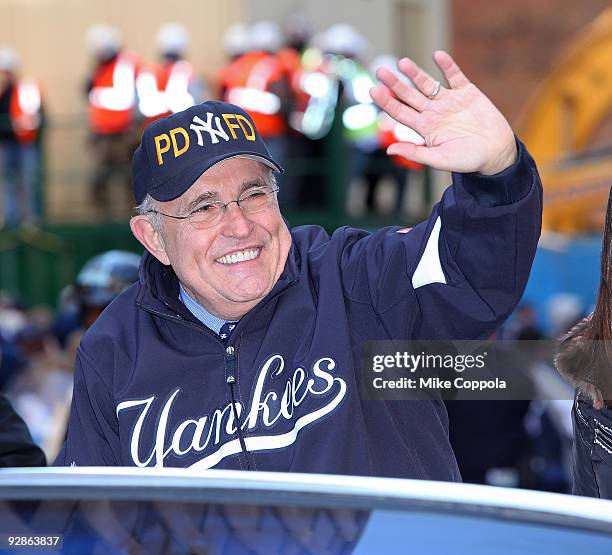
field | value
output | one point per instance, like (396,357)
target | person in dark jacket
(240,347)
(584,359)
(16,445)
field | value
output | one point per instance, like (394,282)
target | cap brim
(180,183)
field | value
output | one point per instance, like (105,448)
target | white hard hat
(236,39)
(8,59)
(172,38)
(103,39)
(267,36)
(344,39)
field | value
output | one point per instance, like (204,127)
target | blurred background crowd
(78,86)
(307,92)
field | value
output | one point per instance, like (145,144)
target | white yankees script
(266,409)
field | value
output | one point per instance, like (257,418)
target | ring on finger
(435,91)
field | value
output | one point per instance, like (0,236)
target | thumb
(416,153)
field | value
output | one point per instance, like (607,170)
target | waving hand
(463,130)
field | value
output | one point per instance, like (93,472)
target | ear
(149,237)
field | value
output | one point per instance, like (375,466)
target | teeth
(241,256)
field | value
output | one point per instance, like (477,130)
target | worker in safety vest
(258,82)
(172,85)
(316,98)
(20,126)
(313,101)
(343,51)
(111,93)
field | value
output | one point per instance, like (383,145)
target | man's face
(200,258)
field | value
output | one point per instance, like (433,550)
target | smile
(241,256)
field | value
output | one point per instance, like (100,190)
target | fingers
(424,82)
(450,69)
(402,90)
(403,113)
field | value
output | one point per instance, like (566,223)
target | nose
(235,223)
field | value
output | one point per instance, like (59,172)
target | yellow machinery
(559,123)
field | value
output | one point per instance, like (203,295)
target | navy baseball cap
(176,150)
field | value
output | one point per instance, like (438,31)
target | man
(111,97)
(172,85)
(21,119)
(240,346)
(258,82)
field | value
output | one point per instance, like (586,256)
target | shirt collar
(209,320)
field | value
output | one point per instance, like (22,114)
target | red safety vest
(113,95)
(164,90)
(25,110)
(246,82)
(391,132)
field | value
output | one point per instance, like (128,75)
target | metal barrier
(121,510)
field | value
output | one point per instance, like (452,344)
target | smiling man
(230,254)
(240,346)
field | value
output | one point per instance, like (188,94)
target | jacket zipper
(230,378)
(230,371)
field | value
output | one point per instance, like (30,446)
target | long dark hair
(585,354)
(600,323)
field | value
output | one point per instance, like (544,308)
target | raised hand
(463,130)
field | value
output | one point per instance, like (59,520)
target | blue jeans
(592,454)
(19,180)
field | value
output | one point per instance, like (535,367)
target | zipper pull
(230,365)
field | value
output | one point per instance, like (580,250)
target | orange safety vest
(389,132)
(246,82)
(25,110)
(113,95)
(291,63)
(164,90)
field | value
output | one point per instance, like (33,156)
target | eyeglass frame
(222,206)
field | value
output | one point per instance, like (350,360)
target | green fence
(35,264)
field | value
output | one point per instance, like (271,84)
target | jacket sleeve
(16,445)
(92,438)
(459,274)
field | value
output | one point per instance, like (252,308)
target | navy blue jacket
(154,387)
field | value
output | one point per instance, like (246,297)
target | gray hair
(148,207)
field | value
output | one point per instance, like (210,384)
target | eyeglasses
(251,201)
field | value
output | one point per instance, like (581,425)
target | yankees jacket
(153,387)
